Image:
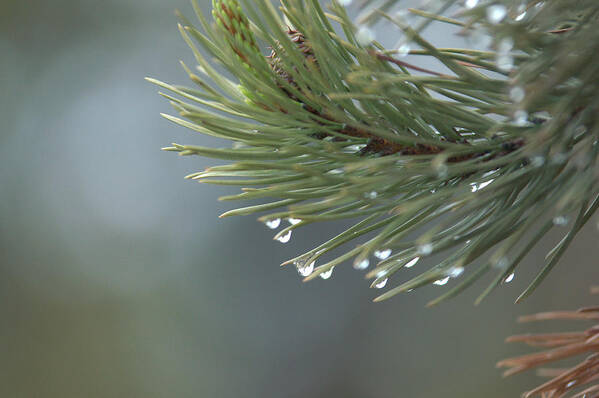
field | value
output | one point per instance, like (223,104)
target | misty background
(117,279)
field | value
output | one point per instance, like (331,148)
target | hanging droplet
(425,249)
(470,3)
(361,264)
(520,12)
(411,263)
(304,268)
(441,282)
(454,272)
(273,224)
(365,36)
(381,284)
(327,274)
(509,278)
(285,238)
(517,94)
(520,118)
(382,254)
(560,221)
(294,221)
(403,50)
(496,13)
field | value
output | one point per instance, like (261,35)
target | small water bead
(454,272)
(425,249)
(520,117)
(273,224)
(335,171)
(496,13)
(537,161)
(345,2)
(294,221)
(570,384)
(285,238)
(509,278)
(304,269)
(403,50)
(520,12)
(327,274)
(371,195)
(365,36)
(441,282)
(505,62)
(381,284)
(361,264)
(560,221)
(517,94)
(470,3)
(382,254)
(412,262)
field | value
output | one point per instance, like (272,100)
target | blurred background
(117,279)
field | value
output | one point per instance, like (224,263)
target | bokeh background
(117,279)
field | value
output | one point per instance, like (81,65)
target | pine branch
(477,164)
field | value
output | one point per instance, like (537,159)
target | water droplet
(505,62)
(382,254)
(520,118)
(365,36)
(285,238)
(509,278)
(537,161)
(520,12)
(327,274)
(570,384)
(345,2)
(371,195)
(294,221)
(441,282)
(273,224)
(505,45)
(496,13)
(517,94)
(412,262)
(470,3)
(454,272)
(425,249)
(381,284)
(335,171)
(403,50)
(361,264)
(303,268)
(560,221)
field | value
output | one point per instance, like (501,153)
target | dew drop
(412,262)
(285,238)
(520,12)
(537,161)
(505,62)
(509,278)
(361,264)
(520,118)
(381,284)
(382,254)
(425,249)
(335,171)
(441,282)
(345,2)
(273,224)
(327,274)
(454,272)
(303,268)
(294,221)
(517,94)
(470,3)
(365,36)
(560,221)
(403,50)
(496,13)
(371,195)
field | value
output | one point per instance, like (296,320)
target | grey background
(118,280)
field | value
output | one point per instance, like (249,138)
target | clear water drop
(372,195)
(470,3)
(425,249)
(273,224)
(403,50)
(505,62)
(517,94)
(520,12)
(361,264)
(441,282)
(509,278)
(560,221)
(412,262)
(454,272)
(304,268)
(381,284)
(496,13)
(327,274)
(294,221)
(285,238)
(365,36)
(382,254)
(335,171)
(520,117)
